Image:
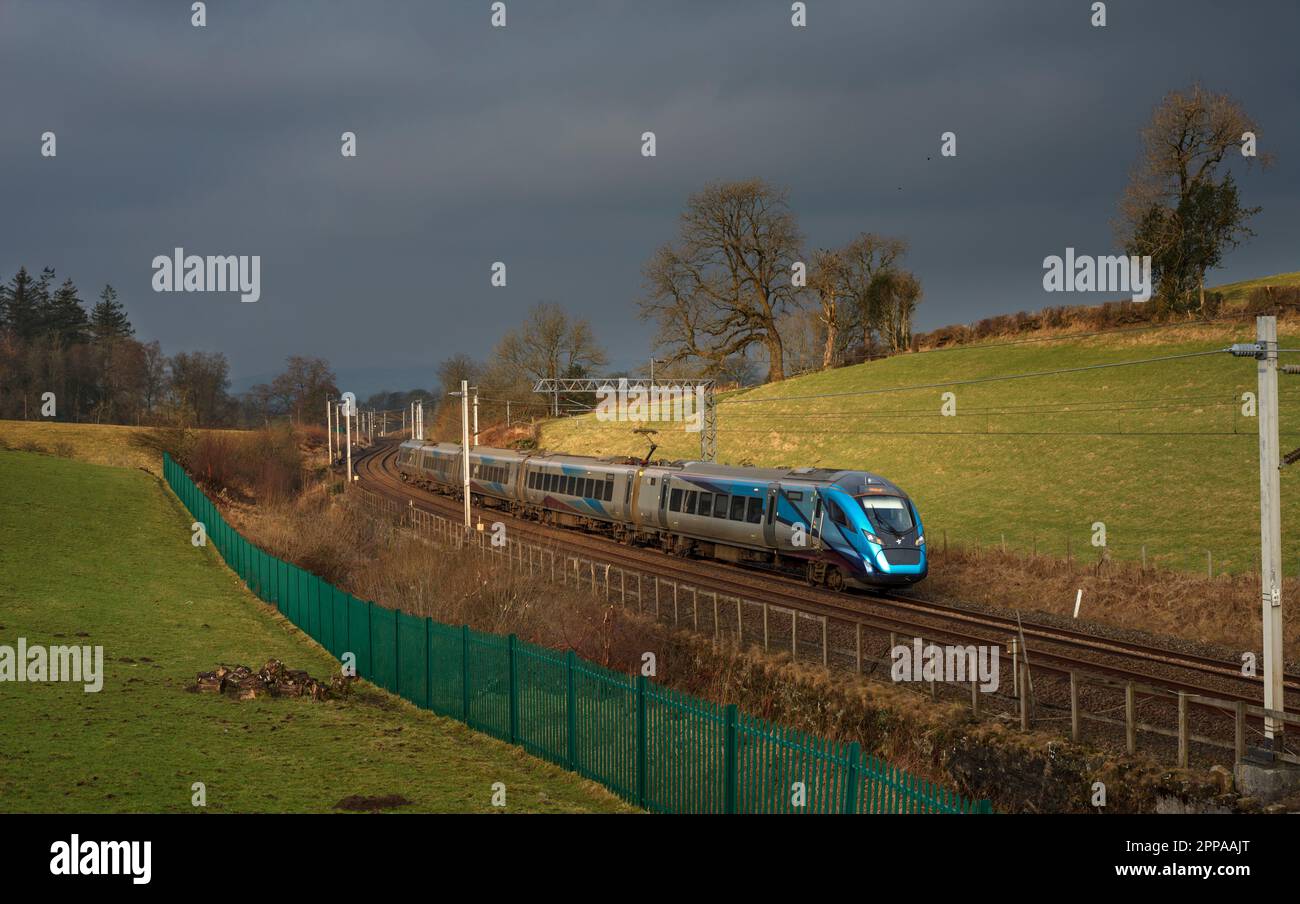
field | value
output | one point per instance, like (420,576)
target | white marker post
(347,421)
(464,450)
(1077,600)
(329,432)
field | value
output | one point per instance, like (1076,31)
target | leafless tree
(304,386)
(548,345)
(722,287)
(860,263)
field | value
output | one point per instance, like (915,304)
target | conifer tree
(108,320)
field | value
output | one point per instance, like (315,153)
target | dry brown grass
(100,444)
(1221,610)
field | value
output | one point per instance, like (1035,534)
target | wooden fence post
(1184,743)
(1130,717)
(1024,699)
(1074,707)
(1240,745)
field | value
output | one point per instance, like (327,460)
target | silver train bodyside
(815,523)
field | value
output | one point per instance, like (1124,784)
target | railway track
(1049,646)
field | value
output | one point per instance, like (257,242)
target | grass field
(1161,453)
(101,444)
(105,552)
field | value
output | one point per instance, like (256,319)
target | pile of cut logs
(272,679)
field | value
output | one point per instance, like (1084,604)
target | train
(834,528)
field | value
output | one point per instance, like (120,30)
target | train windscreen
(888,512)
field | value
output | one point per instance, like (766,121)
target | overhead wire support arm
(591,385)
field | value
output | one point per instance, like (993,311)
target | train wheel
(834,579)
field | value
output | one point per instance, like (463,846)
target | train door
(815,525)
(769,516)
(663,502)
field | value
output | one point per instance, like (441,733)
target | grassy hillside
(1234,293)
(101,556)
(1159,452)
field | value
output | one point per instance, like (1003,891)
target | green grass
(1158,452)
(106,551)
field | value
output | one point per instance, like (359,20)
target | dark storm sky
(523,145)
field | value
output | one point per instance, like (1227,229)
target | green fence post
(641,740)
(428,666)
(854,781)
(571,734)
(730,766)
(397,656)
(370,638)
(464,673)
(514,689)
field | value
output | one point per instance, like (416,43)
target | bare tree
(828,281)
(155,376)
(304,385)
(457,368)
(550,344)
(721,289)
(860,263)
(200,381)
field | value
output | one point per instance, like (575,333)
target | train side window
(689,507)
(836,513)
(737,508)
(675,501)
(589,487)
(705,507)
(609,491)
(720,505)
(754,510)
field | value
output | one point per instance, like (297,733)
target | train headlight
(871,538)
(920,541)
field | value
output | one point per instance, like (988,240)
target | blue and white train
(835,528)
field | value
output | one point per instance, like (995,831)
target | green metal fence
(660,749)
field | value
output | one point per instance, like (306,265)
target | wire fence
(660,749)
